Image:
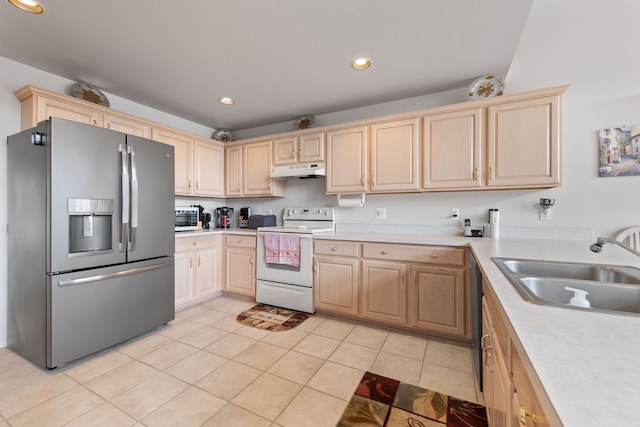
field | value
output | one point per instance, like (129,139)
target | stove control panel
(309,214)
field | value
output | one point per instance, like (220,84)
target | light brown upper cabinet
(199,163)
(256,176)
(38,105)
(233,171)
(347,163)
(452,147)
(394,156)
(125,124)
(299,149)
(523,146)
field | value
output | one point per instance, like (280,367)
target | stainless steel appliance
(475,279)
(90,239)
(223,217)
(243,217)
(185,218)
(285,285)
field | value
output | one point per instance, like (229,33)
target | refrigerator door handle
(124,238)
(134,197)
(115,275)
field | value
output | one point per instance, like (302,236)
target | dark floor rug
(380,401)
(271,318)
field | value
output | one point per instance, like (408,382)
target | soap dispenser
(579,298)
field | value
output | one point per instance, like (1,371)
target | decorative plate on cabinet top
(485,87)
(89,93)
(305,122)
(223,135)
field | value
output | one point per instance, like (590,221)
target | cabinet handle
(108,124)
(491,173)
(482,338)
(402,277)
(269,185)
(251,261)
(334,249)
(197,184)
(373,180)
(95,122)
(238,187)
(300,154)
(315,268)
(524,416)
(199,261)
(190,262)
(476,174)
(362,180)
(383,252)
(189,183)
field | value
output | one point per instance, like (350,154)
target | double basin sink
(612,289)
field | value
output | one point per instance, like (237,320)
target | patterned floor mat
(271,318)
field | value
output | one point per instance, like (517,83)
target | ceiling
(278,59)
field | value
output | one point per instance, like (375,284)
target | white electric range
(285,285)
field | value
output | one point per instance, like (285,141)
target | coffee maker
(223,217)
(243,217)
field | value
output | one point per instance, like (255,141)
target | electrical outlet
(381,213)
(455,214)
(545,214)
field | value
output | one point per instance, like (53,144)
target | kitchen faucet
(597,246)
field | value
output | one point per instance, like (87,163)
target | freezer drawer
(98,308)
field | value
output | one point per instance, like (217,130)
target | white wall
(14,76)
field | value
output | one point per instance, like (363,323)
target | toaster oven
(185,218)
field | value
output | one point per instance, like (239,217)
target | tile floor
(206,369)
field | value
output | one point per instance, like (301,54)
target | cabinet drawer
(497,320)
(413,253)
(338,248)
(241,241)
(197,242)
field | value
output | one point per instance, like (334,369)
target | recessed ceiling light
(227,101)
(28,5)
(361,63)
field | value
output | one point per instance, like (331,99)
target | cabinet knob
(293,154)
(362,180)
(194,244)
(434,255)
(524,416)
(251,261)
(384,252)
(300,154)
(334,249)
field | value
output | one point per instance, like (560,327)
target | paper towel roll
(350,202)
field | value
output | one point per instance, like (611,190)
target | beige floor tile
(148,396)
(267,396)
(354,356)
(59,410)
(397,367)
(337,380)
(287,339)
(228,323)
(204,337)
(86,370)
(336,329)
(14,375)
(228,380)
(405,345)
(449,355)
(121,379)
(261,355)
(33,394)
(232,415)
(218,301)
(138,347)
(235,307)
(179,328)
(448,381)
(209,317)
(195,367)
(230,346)
(311,408)
(367,337)
(190,408)
(191,311)
(312,322)
(105,415)
(168,355)
(251,332)
(296,367)
(315,345)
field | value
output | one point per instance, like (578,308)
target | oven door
(281,273)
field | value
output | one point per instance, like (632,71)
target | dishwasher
(475,278)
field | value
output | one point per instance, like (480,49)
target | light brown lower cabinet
(336,284)
(384,291)
(240,265)
(198,269)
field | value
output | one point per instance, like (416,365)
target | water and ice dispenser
(89,225)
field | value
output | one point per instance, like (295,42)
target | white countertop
(247,231)
(588,362)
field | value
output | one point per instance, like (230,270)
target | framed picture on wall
(619,150)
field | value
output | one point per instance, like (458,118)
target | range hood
(306,170)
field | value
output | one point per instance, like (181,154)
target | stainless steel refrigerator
(90,239)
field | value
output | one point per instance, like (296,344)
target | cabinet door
(524,143)
(311,148)
(284,151)
(347,160)
(126,125)
(208,271)
(336,284)
(240,271)
(184,277)
(47,107)
(384,291)
(183,158)
(452,144)
(233,171)
(257,169)
(502,388)
(209,168)
(438,302)
(394,156)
